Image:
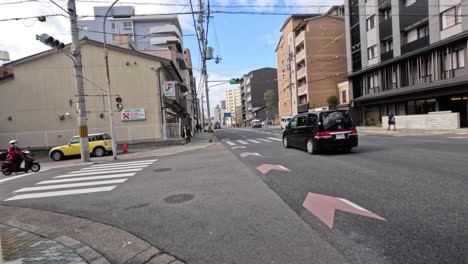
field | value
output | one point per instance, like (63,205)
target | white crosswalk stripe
(109,174)
(253,140)
(242,142)
(264,139)
(230,143)
(277,139)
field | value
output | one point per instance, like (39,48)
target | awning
(174,106)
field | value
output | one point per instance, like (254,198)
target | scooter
(27,164)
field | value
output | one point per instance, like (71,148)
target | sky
(245,42)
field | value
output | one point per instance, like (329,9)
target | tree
(270,101)
(333,101)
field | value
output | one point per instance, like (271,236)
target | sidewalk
(40,237)
(409,132)
(199,141)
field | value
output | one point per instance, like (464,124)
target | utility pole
(76,52)
(204,70)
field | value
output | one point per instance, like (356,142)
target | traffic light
(119,103)
(50,41)
(235,81)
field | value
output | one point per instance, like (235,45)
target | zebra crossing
(232,142)
(93,179)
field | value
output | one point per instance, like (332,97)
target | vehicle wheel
(98,152)
(311,147)
(6,172)
(56,155)
(35,167)
(285,142)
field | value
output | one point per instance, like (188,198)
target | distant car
(318,131)
(217,126)
(256,123)
(99,145)
(285,121)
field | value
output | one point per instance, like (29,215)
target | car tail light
(322,134)
(353,131)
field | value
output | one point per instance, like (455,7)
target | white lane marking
(277,139)
(61,193)
(70,185)
(242,142)
(88,178)
(21,176)
(264,140)
(104,169)
(253,140)
(123,163)
(464,133)
(353,205)
(230,143)
(95,173)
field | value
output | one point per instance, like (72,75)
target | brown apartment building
(311,56)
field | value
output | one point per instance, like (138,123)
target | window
(388,45)
(301,121)
(312,120)
(450,17)
(113,26)
(456,60)
(343,97)
(372,82)
(387,13)
(423,31)
(409,2)
(293,123)
(127,26)
(74,140)
(372,52)
(370,22)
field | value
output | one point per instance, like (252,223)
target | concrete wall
(439,121)
(44,88)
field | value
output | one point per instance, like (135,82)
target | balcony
(300,38)
(386,55)
(413,14)
(300,56)
(302,108)
(385,28)
(301,73)
(302,89)
(415,45)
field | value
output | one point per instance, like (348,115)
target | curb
(145,252)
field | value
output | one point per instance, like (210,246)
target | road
(416,183)
(403,200)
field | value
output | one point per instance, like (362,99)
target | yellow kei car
(99,144)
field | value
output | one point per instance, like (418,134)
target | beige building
(234,105)
(312,50)
(343,91)
(38,102)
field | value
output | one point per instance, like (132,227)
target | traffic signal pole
(76,52)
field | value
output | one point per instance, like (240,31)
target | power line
(53,2)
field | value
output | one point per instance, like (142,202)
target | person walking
(391,121)
(187,134)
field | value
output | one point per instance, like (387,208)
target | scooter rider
(14,153)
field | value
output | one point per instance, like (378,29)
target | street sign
(169,89)
(227,114)
(324,207)
(128,115)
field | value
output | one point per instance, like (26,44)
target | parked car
(256,123)
(217,126)
(284,121)
(99,145)
(317,131)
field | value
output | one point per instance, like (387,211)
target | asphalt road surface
(409,193)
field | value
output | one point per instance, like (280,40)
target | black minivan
(317,131)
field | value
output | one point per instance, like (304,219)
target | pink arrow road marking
(265,168)
(323,207)
(246,154)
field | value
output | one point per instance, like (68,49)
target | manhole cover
(162,169)
(179,198)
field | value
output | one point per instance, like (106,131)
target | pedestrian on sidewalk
(391,121)
(187,134)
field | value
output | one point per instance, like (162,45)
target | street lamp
(111,114)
